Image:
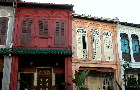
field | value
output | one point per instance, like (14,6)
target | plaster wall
(106,49)
(107,56)
(129,31)
(8,11)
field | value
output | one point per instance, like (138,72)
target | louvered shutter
(43,28)
(62,36)
(3,30)
(59,31)
(26,31)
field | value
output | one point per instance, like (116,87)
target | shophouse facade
(6,30)
(41,51)
(95,48)
(128,45)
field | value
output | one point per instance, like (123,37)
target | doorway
(26,80)
(44,78)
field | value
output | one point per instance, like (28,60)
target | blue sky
(125,10)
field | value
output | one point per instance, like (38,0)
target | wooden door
(93,83)
(44,78)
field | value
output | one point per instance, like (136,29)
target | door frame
(46,68)
(18,83)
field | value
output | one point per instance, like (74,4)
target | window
(124,43)
(135,47)
(108,45)
(43,28)
(81,43)
(125,47)
(26,80)
(3,30)
(135,43)
(84,42)
(59,33)
(96,43)
(26,29)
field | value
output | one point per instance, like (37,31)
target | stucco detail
(129,31)
(100,40)
(101,48)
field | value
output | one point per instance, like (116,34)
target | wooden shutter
(60,28)
(26,29)
(3,30)
(43,28)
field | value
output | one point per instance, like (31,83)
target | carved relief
(62,14)
(108,46)
(96,43)
(44,13)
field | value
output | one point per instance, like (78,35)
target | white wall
(129,31)
(8,11)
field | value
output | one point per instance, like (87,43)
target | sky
(125,10)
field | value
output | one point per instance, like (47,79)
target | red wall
(42,13)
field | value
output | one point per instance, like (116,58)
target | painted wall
(128,50)
(42,14)
(37,41)
(100,39)
(8,12)
(132,45)
(95,46)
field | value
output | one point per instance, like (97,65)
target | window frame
(62,44)
(6,29)
(82,32)
(38,30)
(26,32)
(126,39)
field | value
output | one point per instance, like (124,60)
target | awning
(35,51)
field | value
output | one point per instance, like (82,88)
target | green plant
(79,79)
(66,84)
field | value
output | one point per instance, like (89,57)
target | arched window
(96,43)
(125,47)
(135,47)
(108,46)
(135,43)
(124,43)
